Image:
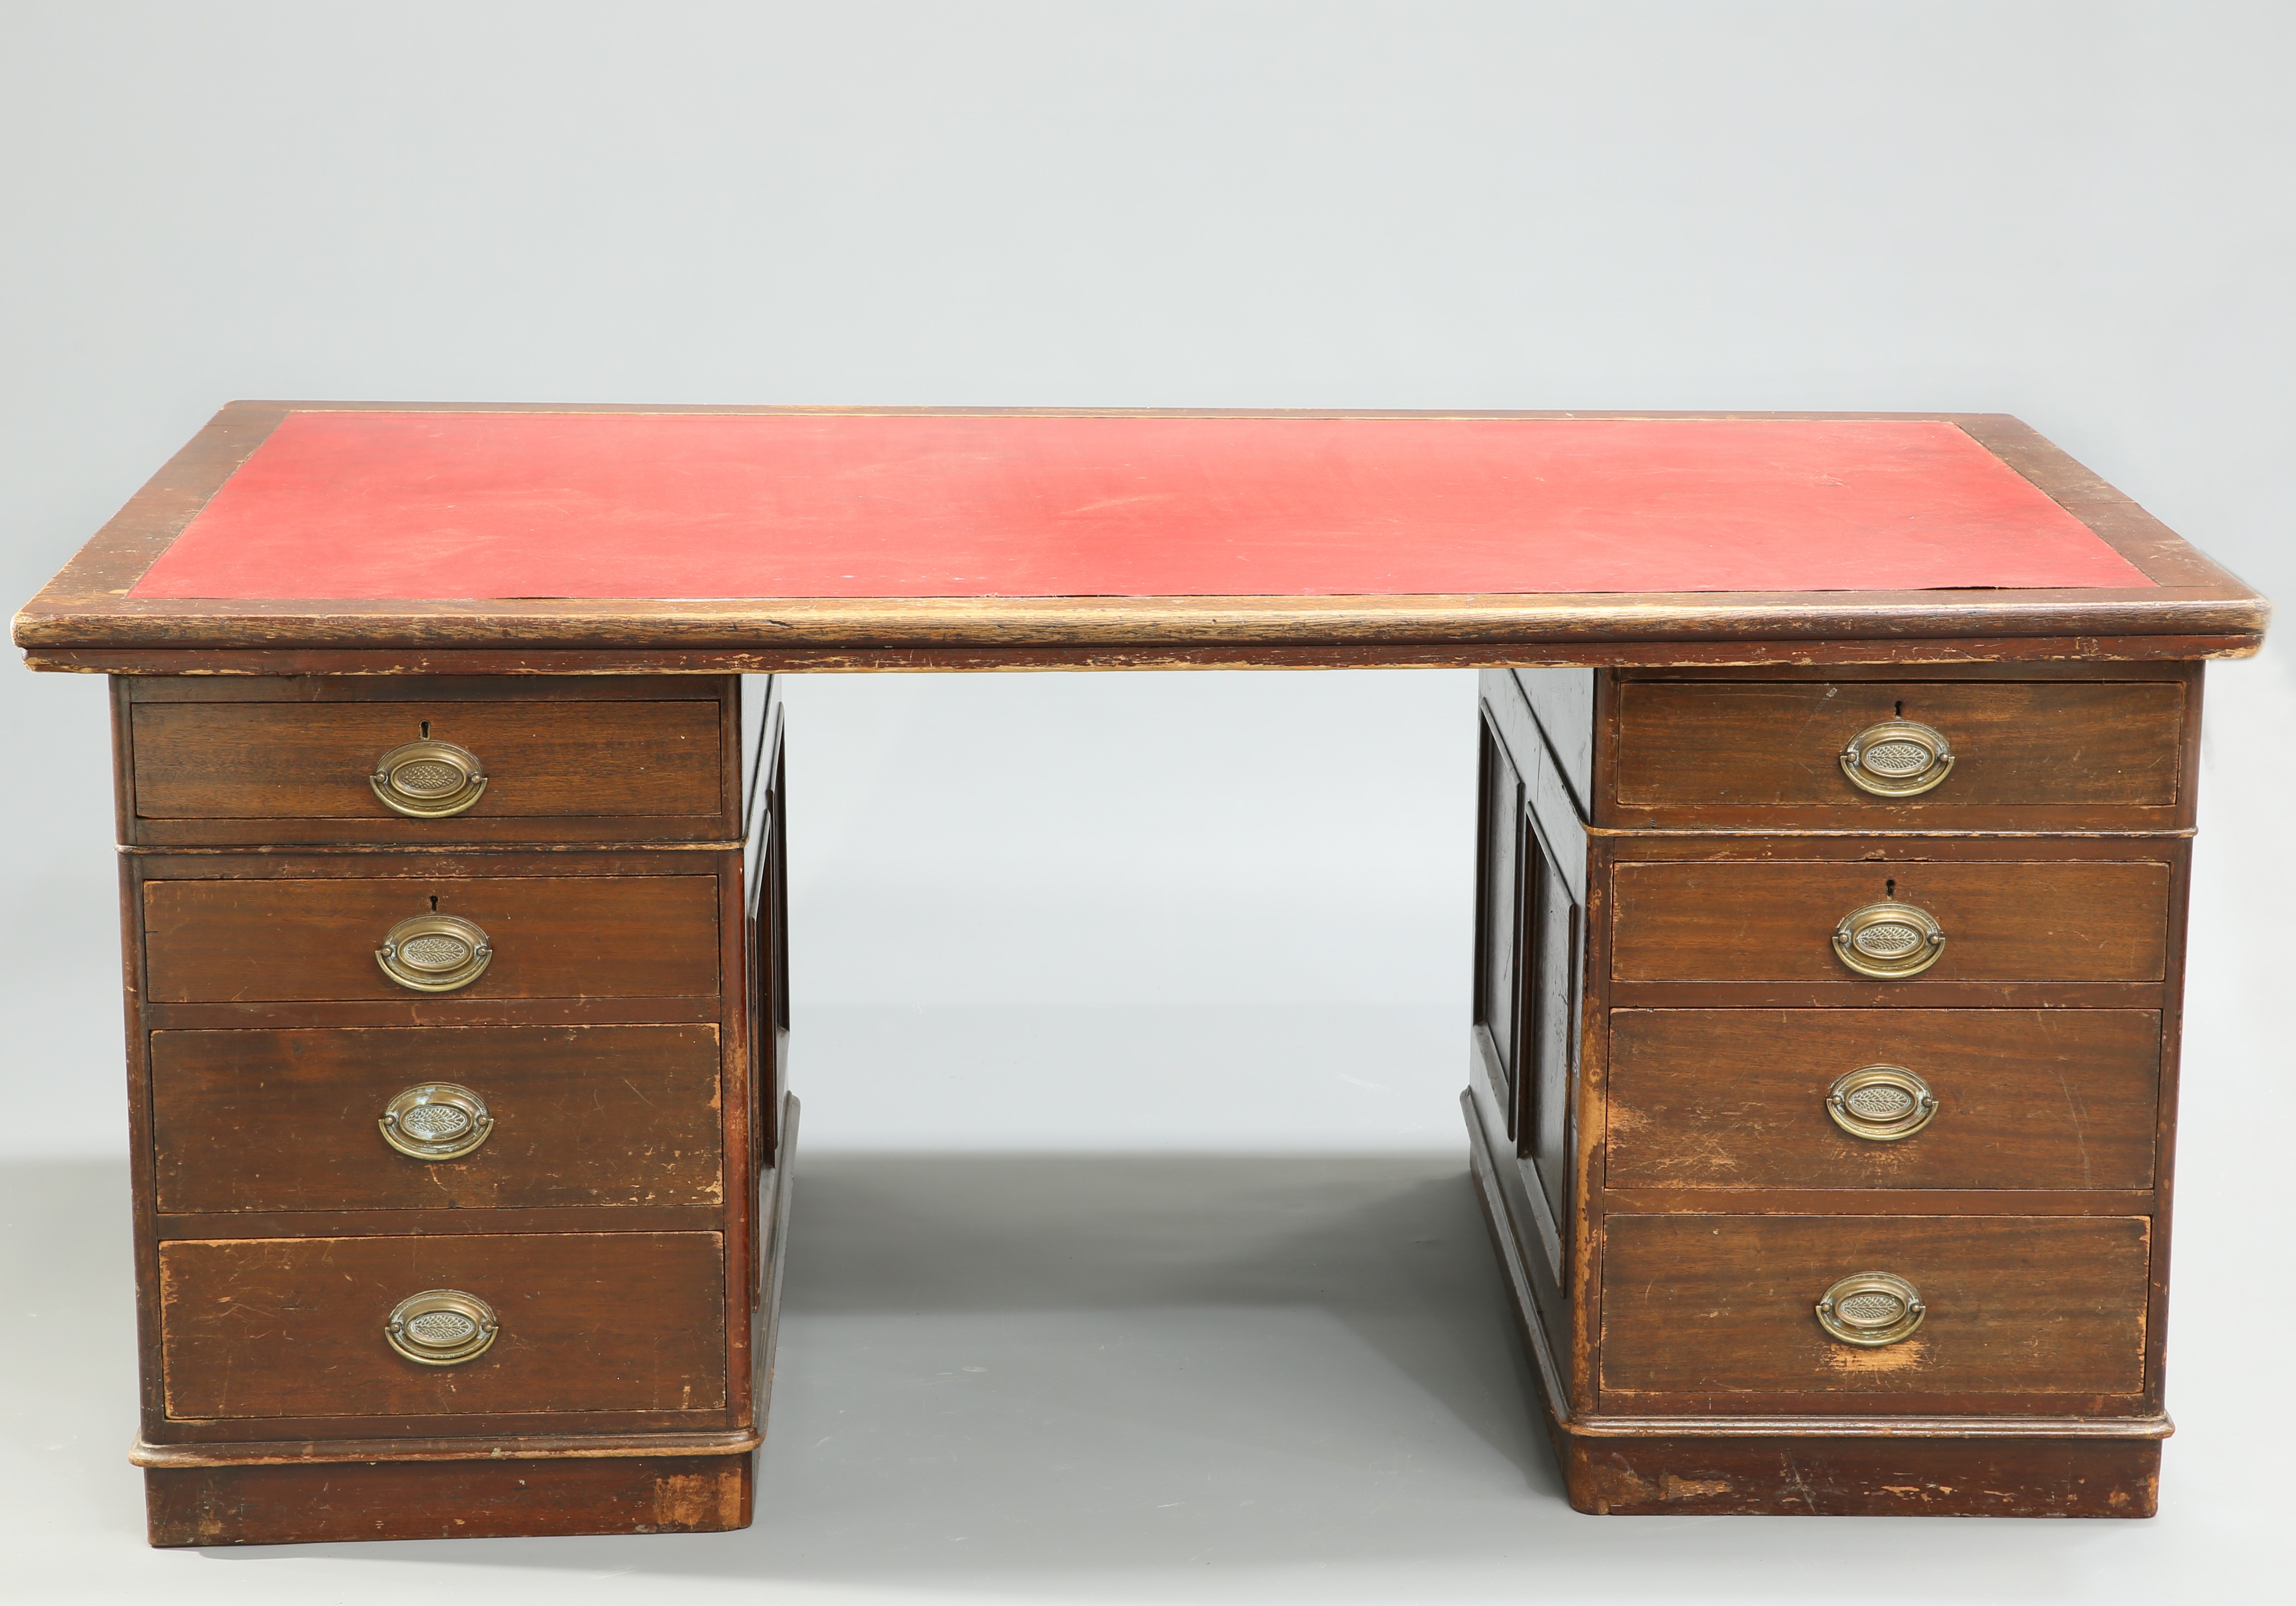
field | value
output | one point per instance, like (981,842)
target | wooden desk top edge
(84,620)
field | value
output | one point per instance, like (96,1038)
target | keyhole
(426,723)
(1890,885)
(1901,713)
(434,900)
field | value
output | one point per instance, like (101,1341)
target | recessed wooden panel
(1723,1305)
(282,760)
(583,1115)
(243,940)
(590,1322)
(2016,921)
(2018,747)
(2027,1098)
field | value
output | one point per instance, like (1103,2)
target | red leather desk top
(382,506)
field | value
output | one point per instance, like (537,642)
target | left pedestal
(456,1050)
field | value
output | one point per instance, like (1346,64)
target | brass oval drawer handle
(436,1120)
(1896,758)
(1881,1104)
(1888,939)
(428,779)
(434,953)
(1871,1310)
(441,1327)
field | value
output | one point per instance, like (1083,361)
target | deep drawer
(2035,754)
(2024,1099)
(588,1321)
(290,1120)
(2013,921)
(606,769)
(250,940)
(1722,1305)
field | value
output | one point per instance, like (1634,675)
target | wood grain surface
(508,1498)
(1719,1306)
(2027,755)
(2028,921)
(584,1116)
(2028,1099)
(598,761)
(234,940)
(590,1322)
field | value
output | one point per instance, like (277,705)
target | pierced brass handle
(428,779)
(1896,758)
(1881,1104)
(434,953)
(1871,1310)
(441,1327)
(1888,939)
(436,1120)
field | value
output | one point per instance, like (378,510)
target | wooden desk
(1837,785)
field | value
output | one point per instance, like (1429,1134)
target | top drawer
(2017,754)
(302,759)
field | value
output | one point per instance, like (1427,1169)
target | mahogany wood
(2029,1099)
(494,1499)
(2031,921)
(257,1120)
(231,939)
(2030,755)
(293,1328)
(1720,1307)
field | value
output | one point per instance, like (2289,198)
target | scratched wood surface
(590,1323)
(584,1116)
(2028,1099)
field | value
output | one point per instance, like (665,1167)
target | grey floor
(1095,1377)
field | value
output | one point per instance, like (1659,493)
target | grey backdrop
(1172,910)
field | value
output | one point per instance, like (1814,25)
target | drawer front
(2018,747)
(252,940)
(1721,1305)
(626,769)
(291,1120)
(1735,921)
(2024,1098)
(588,1321)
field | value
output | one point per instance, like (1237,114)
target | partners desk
(1836,795)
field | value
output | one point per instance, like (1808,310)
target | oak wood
(232,940)
(2029,1099)
(584,1116)
(294,1328)
(1720,1306)
(289,1505)
(2031,921)
(2036,754)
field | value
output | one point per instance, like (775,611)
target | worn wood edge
(143,1453)
(1848,649)
(1503,1239)
(1870,1427)
(1525,621)
(784,1186)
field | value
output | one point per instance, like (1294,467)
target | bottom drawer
(586,1321)
(2012,1304)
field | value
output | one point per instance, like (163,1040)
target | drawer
(1721,1305)
(2036,754)
(587,1322)
(604,770)
(2002,920)
(568,1116)
(2024,1098)
(251,940)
